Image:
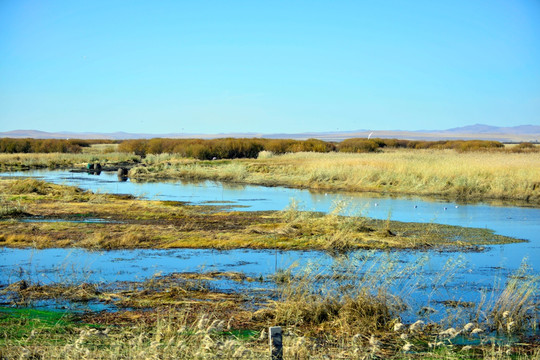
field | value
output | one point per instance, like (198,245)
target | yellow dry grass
(465,176)
(124,222)
(60,160)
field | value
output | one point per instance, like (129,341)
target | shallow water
(435,276)
(469,275)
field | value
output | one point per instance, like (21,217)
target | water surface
(437,277)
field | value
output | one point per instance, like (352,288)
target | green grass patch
(242,334)
(40,325)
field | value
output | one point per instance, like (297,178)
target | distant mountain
(36,134)
(120,135)
(487,129)
(478,132)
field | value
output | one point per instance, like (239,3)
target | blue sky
(268,66)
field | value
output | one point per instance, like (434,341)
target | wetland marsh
(255,256)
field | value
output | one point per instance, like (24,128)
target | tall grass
(171,336)
(59,160)
(11,208)
(516,308)
(100,149)
(312,297)
(465,175)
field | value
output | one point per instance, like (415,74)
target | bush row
(12,146)
(371,145)
(229,148)
(8,145)
(232,148)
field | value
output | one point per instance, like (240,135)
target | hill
(520,133)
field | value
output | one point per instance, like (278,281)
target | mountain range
(478,131)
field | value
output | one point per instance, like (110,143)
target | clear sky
(267,66)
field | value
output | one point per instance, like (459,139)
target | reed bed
(516,307)
(447,173)
(511,174)
(234,148)
(61,160)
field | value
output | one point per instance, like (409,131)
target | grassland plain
(446,173)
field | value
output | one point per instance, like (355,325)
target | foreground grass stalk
(516,308)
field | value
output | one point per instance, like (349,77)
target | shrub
(358,145)
(525,147)
(11,146)
(137,147)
